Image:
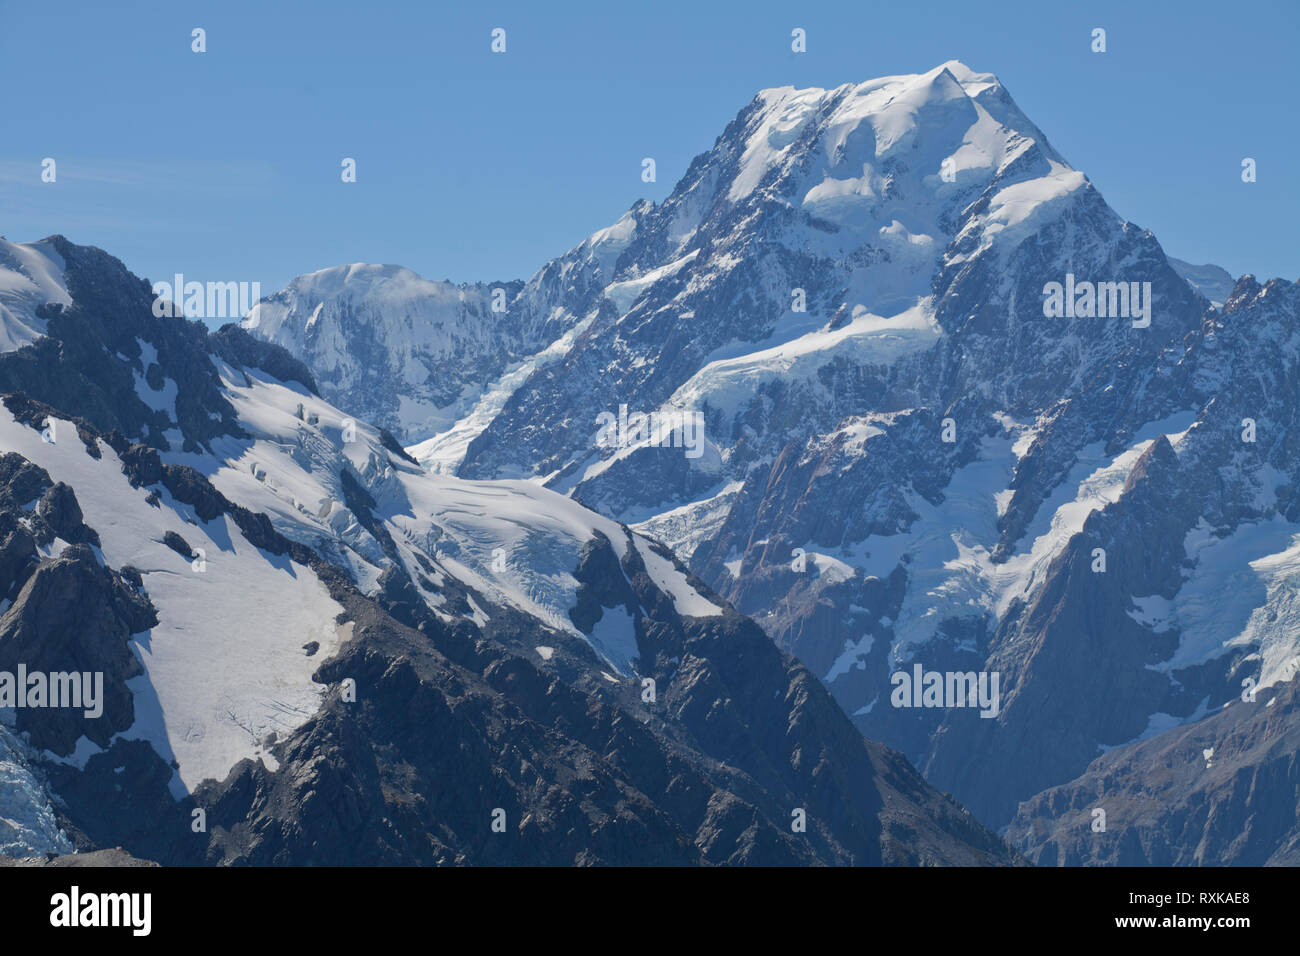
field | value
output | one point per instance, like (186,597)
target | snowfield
(31,275)
(729,384)
(512,541)
(220,676)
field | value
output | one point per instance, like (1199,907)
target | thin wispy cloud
(218,176)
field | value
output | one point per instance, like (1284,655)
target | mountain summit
(958,415)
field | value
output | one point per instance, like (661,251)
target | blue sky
(473,166)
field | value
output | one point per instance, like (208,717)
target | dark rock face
(237,347)
(21,482)
(1221,792)
(393,445)
(178,544)
(121,799)
(600,586)
(62,515)
(67,615)
(88,364)
(1072,648)
(73,615)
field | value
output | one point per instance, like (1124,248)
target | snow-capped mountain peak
(948,114)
